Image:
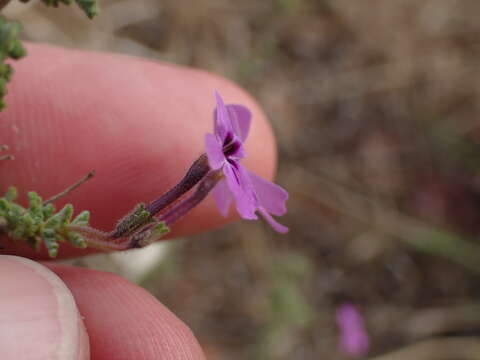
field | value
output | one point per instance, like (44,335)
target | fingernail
(39,317)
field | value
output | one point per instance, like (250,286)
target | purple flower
(224,151)
(353,336)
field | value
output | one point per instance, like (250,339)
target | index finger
(139,124)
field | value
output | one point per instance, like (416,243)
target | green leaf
(82,218)
(4,206)
(76,240)
(48,210)
(61,218)
(35,205)
(159,230)
(51,243)
(89,7)
(11,194)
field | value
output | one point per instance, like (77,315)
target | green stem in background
(417,234)
(463,348)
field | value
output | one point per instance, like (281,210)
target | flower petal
(240,117)
(270,196)
(222,119)
(241,188)
(354,338)
(223,197)
(273,223)
(215,155)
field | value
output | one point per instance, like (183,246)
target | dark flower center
(230,145)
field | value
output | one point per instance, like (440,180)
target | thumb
(39,317)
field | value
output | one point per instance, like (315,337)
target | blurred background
(375,105)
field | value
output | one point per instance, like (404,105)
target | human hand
(139,125)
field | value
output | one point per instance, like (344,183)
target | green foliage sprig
(89,7)
(40,223)
(10,48)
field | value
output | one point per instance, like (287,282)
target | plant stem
(203,189)
(196,173)
(70,188)
(417,234)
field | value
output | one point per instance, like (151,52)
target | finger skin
(39,319)
(124,321)
(139,124)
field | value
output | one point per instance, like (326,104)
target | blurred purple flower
(224,150)
(353,336)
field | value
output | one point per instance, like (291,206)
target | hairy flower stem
(148,235)
(150,230)
(181,209)
(196,173)
(142,215)
(97,239)
(153,232)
